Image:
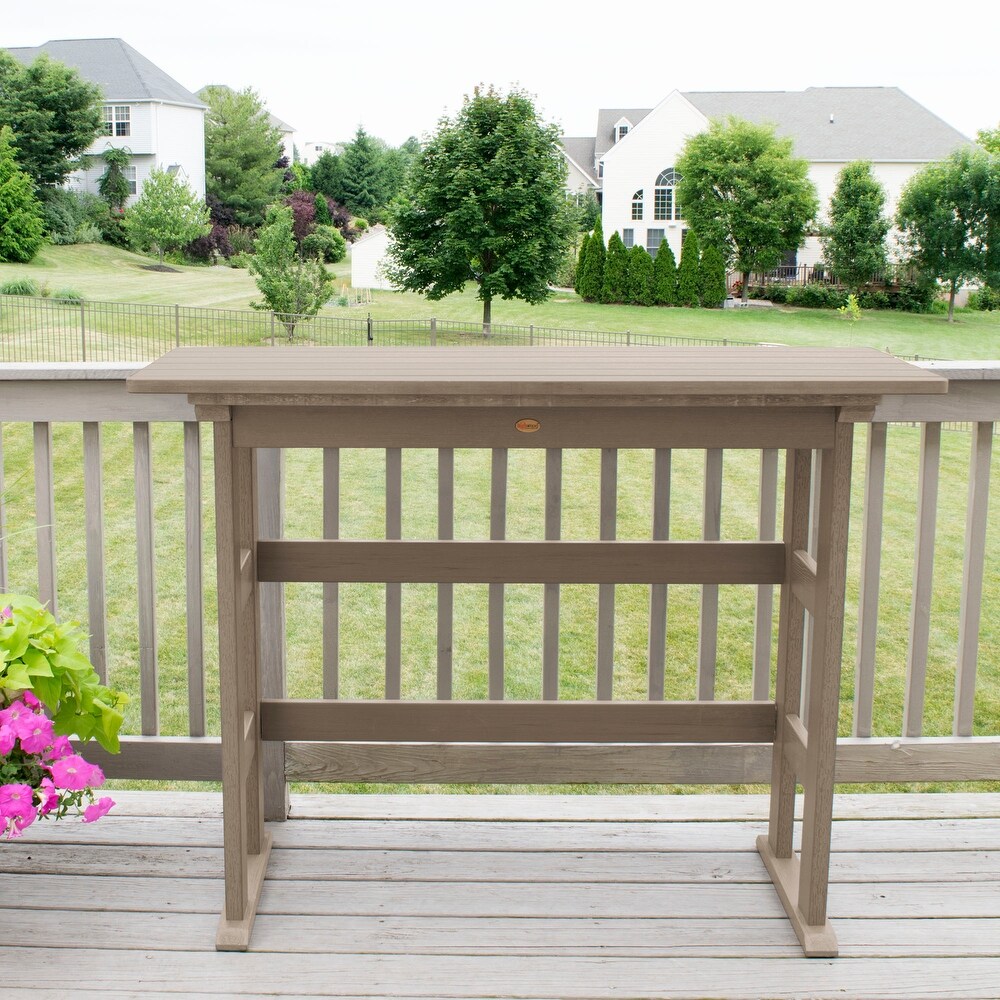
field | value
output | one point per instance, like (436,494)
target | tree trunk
(487,313)
(746,287)
(951,300)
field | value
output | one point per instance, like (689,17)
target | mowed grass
(104,273)
(362,606)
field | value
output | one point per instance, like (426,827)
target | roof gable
(122,73)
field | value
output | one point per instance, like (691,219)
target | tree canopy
(949,216)
(54,115)
(485,203)
(854,240)
(242,149)
(21,225)
(167,216)
(745,193)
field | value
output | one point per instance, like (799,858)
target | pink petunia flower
(7,738)
(17,808)
(61,747)
(30,699)
(100,808)
(75,774)
(6,613)
(36,735)
(49,797)
(13,713)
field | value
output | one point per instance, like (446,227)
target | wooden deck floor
(469,896)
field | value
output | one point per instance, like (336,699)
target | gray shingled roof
(581,152)
(122,73)
(870,123)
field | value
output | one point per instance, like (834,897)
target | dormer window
(621,129)
(600,169)
(637,206)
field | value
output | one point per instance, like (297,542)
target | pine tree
(665,276)
(640,277)
(581,262)
(363,174)
(21,226)
(712,278)
(615,287)
(687,273)
(322,211)
(592,280)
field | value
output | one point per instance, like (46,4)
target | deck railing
(78,421)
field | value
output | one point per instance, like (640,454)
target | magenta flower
(49,796)
(17,808)
(13,713)
(36,735)
(30,699)
(75,774)
(6,613)
(61,747)
(7,738)
(100,808)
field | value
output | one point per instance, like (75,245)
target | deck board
(648,899)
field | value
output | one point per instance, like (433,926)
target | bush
(875,298)
(241,238)
(112,226)
(88,233)
(362,225)
(240,260)
(20,286)
(326,243)
(59,210)
(639,279)
(665,276)
(616,262)
(303,206)
(917,295)
(712,278)
(687,272)
(211,246)
(985,299)
(68,295)
(566,275)
(815,297)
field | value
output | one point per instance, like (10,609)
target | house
(368,258)
(146,111)
(313,149)
(630,161)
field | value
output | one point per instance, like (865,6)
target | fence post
(531,335)
(371,339)
(434,329)
(628,338)
(83,331)
(177,325)
(272,329)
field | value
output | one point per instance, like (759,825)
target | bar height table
(798,399)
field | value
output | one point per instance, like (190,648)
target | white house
(312,149)
(368,258)
(630,162)
(147,112)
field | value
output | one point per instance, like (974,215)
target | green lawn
(106,273)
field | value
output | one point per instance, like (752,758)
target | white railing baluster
(331,591)
(3,522)
(498,531)
(146,578)
(45,516)
(550,609)
(764,611)
(657,653)
(393,591)
(708,628)
(445,591)
(93,499)
(871,569)
(606,591)
(972,576)
(923,575)
(193,576)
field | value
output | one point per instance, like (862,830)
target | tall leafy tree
(167,215)
(484,203)
(639,283)
(854,240)
(242,149)
(54,113)
(364,174)
(745,192)
(712,277)
(592,279)
(989,139)
(21,226)
(615,287)
(292,287)
(665,276)
(687,273)
(949,215)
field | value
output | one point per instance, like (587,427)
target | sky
(396,67)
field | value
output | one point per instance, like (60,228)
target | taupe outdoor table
(798,399)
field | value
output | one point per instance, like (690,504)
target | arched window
(665,205)
(637,205)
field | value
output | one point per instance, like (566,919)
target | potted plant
(49,691)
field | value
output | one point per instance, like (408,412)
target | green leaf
(37,663)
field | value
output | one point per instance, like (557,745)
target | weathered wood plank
(550,598)
(331,591)
(606,591)
(193,579)
(764,609)
(708,624)
(3,521)
(146,579)
(657,651)
(495,611)
(45,516)
(393,589)
(93,500)
(445,591)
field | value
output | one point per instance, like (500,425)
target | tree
(639,284)
(665,276)
(615,286)
(854,241)
(241,150)
(581,262)
(167,215)
(291,287)
(21,225)
(712,277)
(363,183)
(322,210)
(484,202)
(989,139)
(113,185)
(742,189)
(592,280)
(54,114)
(949,216)
(687,273)
(327,176)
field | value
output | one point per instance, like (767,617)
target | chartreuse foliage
(39,654)
(21,225)
(167,216)
(485,202)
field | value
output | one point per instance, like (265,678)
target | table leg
(246,844)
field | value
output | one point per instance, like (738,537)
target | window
(665,205)
(654,237)
(637,205)
(117,119)
(628,238)
(600,169)
(621,132)
(130,177)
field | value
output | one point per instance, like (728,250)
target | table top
(508,371)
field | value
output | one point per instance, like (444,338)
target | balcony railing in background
(93,395)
